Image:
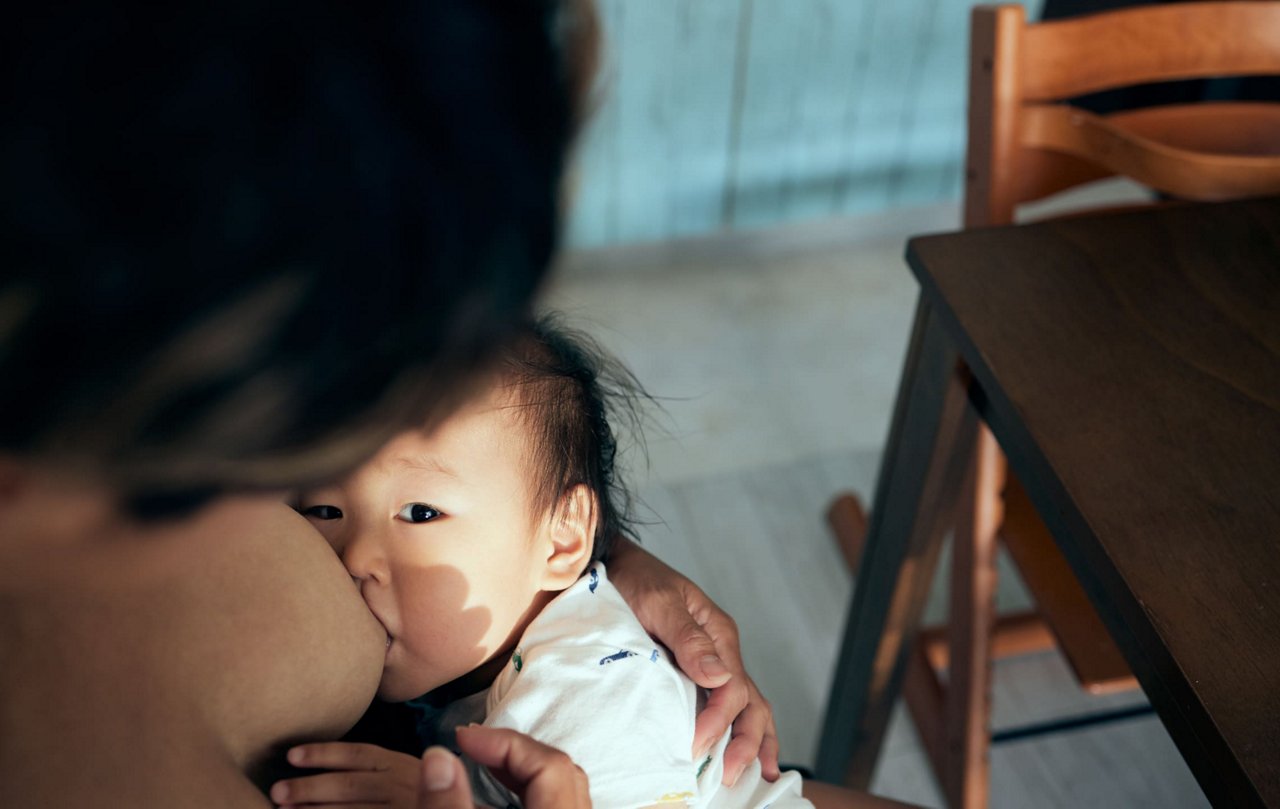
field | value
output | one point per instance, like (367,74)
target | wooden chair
(1025,144)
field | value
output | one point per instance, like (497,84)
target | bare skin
(147,666)
(368,775)
(159,665)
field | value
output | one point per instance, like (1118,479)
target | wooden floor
(776,357)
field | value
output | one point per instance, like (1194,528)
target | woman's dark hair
(573,396)
(244,243)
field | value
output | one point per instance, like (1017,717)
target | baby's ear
(571,532)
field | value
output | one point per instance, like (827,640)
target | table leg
(921,477)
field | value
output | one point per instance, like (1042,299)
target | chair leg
(972,623)
(926,698)
(848,521)
(931,440)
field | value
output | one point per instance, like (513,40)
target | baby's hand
(361,774)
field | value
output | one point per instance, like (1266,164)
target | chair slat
(1225,128)
(1184,173)
(1071,57)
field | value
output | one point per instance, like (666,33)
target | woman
(236,239)
(245,244)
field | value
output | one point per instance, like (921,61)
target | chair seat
(1065,608)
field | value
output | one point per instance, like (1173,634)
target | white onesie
(587,679)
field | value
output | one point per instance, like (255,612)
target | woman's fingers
(542,776)
(703,639)
(338,756)
(754,736)
(769,752)
(724,707)
(358,774)
(737,702)
(339,786)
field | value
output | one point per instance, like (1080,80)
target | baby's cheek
(451,638)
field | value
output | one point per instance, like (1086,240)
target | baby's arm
(357,773)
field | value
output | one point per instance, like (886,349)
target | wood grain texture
(1027,141)
(1020,151)
(973,620)
(1072,57)
(1217,174)
(1131,366)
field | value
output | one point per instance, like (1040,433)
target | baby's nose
(364,561)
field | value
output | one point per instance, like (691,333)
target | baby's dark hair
(573,395)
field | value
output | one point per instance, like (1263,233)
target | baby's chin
(392,694)
(395,688)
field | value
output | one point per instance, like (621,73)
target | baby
(481,548)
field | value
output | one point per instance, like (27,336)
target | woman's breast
(198,647)
(284,644)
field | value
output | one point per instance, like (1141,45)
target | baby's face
(438,533)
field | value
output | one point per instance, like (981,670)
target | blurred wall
(733,114)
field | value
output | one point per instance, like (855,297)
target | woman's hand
(542,777)
(358,774)
(704,640)
(364,775)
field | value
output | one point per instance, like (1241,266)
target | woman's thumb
(444,783)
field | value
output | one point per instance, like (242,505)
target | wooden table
(1129,366)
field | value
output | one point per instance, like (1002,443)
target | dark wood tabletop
(1129,366)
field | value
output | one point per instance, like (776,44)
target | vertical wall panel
(700,97)
(654,159)
(882,105)
(594,177)
(801,59)
(746,113)
(922,147)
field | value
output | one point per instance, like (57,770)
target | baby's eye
(322,512)
(418,512)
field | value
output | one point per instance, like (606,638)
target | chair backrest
(1026,144)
